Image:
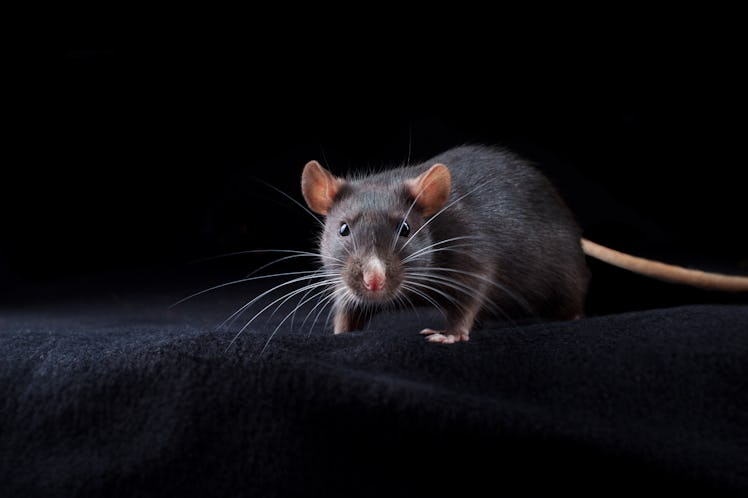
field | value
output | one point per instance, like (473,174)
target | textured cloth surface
(115,397)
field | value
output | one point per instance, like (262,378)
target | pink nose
(373,281)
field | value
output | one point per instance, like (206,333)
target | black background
(135,158)
(124,162)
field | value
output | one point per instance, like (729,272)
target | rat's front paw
(445,336)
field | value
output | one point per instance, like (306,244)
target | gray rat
(475,229)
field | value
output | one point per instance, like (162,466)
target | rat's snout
(371,278)
(374,274)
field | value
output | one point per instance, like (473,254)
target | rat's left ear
(431,189)
(319,187)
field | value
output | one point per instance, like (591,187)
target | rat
(475,230)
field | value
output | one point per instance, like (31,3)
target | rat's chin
(381,296)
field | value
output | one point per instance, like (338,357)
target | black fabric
(124,397)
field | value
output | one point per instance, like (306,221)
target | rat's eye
(344,230)
(404,229)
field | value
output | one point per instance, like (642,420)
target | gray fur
(523,258)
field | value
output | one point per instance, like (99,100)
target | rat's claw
(428,332)
(442,339)
(443,336)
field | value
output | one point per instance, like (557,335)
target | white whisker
(456,248)
(289,282)
(436,290)
(309,286)
(275,261)
(287,317)
(436,215)
(262,251)
(427,298)
(400,225)
(309,212)
(294,292)
(327,320)
(468,291)
(293,318)
(428,249)
(327,301)
(241,280)
(516,297)
(402,301)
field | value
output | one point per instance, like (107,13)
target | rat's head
(374,229)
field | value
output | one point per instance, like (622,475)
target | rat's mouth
(378,296)
(381,295)
(373,282)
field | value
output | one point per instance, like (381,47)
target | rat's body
(473,229)
(512,246)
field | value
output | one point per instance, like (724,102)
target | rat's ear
(319,187)
(431,189)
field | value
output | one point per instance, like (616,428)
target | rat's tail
(663,271)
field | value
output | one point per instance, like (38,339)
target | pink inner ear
(319,187)
(431,189)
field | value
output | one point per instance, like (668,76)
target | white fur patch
(375,266)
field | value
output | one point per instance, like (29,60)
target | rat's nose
(374,275)
(373,281)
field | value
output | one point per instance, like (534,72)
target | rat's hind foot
(445,336)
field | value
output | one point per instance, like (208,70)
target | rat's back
(523,233)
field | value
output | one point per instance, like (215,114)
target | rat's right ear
(431,189)
(319,187)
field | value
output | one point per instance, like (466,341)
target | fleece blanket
(122,396)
